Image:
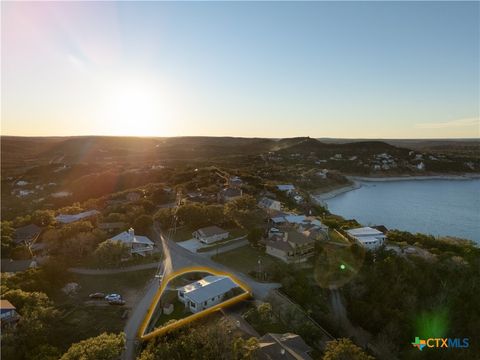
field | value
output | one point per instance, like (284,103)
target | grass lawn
(336,265)
(182,234)
(132,261)
(84,318)
(245,259)
(179,312)
(338,238)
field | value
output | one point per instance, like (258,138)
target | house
(27,234)
(299,222)
(286,346)
(288,188)
(8,314)
(138,244)
(421,166)
(368,237)
(112,226)
(269,204)
(67,218)
(322,174)
(205,292)
(229,194)
(292,247)
(210,234)
(235,182)
(14,266)
(133,196)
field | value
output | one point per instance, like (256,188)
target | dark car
(117,302)
(97,295)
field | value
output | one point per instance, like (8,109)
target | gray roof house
(138,244)
(210,234)
(26,234)
(291,247)
(67,218)
(205,292)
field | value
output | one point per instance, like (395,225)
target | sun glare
(132,109)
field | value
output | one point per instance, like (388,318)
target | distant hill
(24,151)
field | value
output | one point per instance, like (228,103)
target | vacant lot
(84,318)
(246,259)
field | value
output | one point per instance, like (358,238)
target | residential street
(177,258)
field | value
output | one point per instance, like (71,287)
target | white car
(111,297)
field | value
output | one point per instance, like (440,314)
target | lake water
(437,207)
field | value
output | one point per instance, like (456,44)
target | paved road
(86,271)
(177,258)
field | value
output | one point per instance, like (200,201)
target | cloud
(467,122)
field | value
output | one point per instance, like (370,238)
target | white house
(288,188)
(140,245)
(210,234)
(67,218)
(369,238)
(269,204)
(206,292)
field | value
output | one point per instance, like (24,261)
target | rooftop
(211,230)
(129,237)
(286,187)
(6,305)
(67,218)
(364,231)
(208,287)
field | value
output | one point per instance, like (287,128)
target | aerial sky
(264,69)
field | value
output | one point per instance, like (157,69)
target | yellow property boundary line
(181,322)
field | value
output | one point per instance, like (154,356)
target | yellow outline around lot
(181,322)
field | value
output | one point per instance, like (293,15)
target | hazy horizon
(346,70)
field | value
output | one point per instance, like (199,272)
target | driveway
(191,245)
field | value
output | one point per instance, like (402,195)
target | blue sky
(273,69)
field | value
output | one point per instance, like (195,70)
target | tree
(143,224)
(254,235)
(164,217)
(200,342)
(102,347)
(6,236)
(110,253)
(344,349)
(160,196)
(37,326)
(43,217)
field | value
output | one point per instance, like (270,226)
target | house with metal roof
(368,237)
(210,234)
(68,218)
(138,244)
(27,234)
(206,292)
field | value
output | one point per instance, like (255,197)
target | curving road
(176,257)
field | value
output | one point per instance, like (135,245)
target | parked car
(111,297)
(97,295)
(117,302)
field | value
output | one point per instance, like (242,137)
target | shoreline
(321,197)
(357,183)
(415,177)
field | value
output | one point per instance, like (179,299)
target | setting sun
(131,108)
